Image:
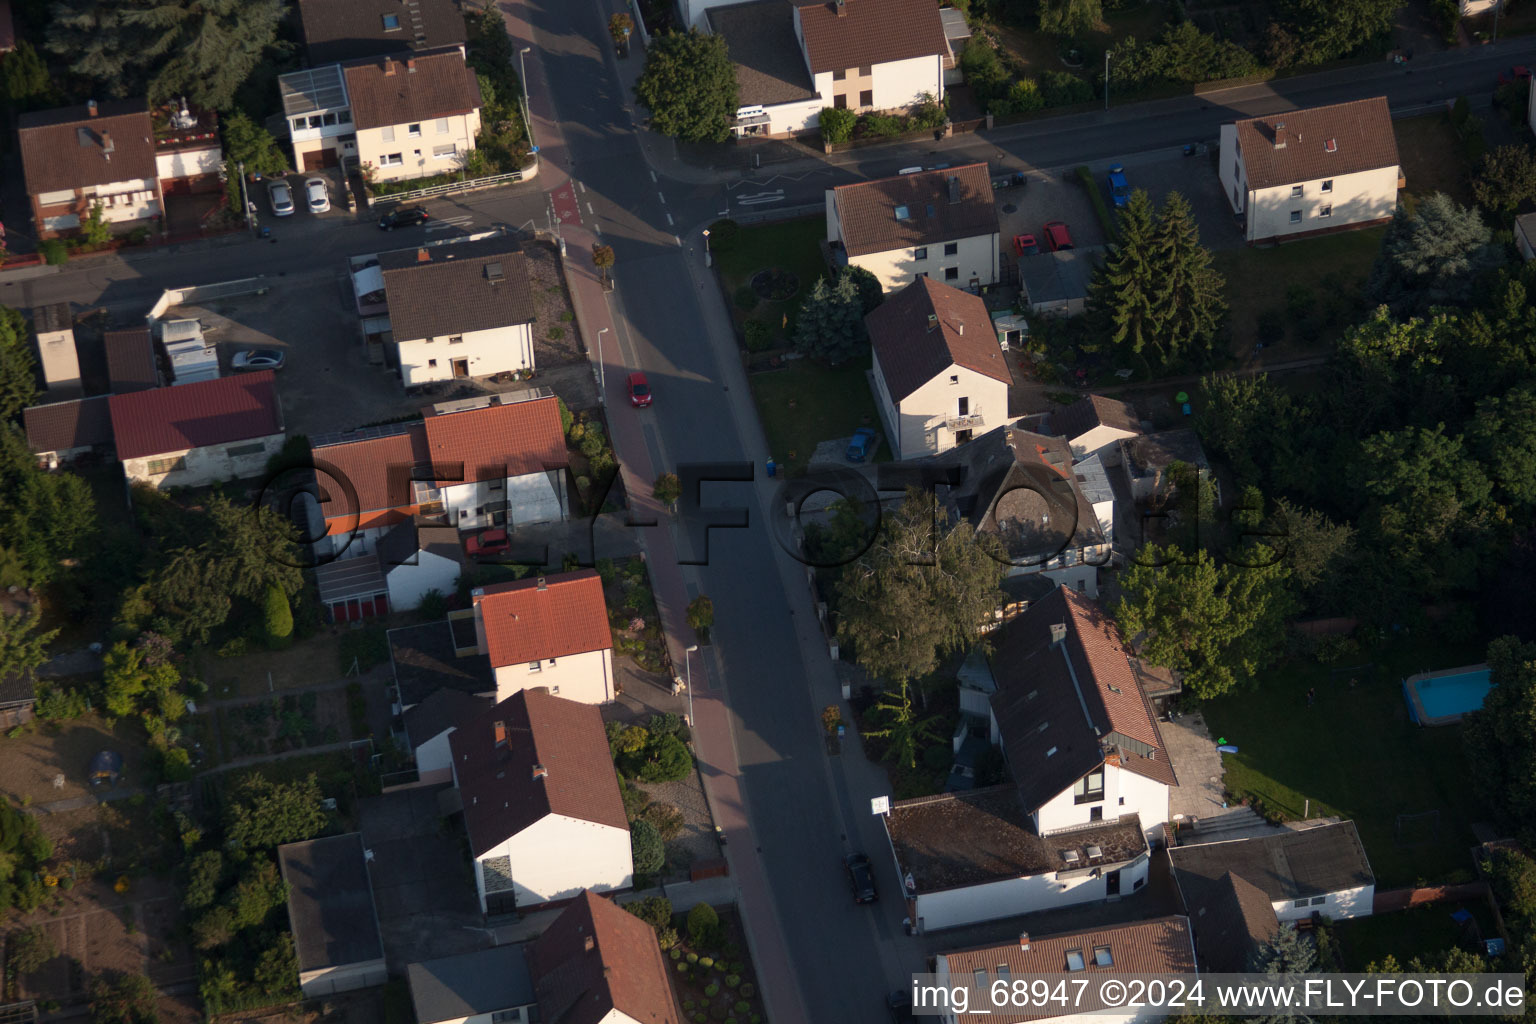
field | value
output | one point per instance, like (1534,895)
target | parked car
(403,217)
(861,877)
(487,543)
(1025,245)
(258,359)
(1518,73)
(281,195)
(639,390)
(1119,188)
(1057,236)
(318,195)
(860,444)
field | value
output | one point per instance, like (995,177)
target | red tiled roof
(866,211)
(911,354)
(1360,133)
(385,91)
(378,468)
(548,617)
(502,797)
(176,419)
(624,970)
(501,440)
(61,426)
(66,148)
(869,32)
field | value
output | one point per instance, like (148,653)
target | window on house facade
(431,363)
(954,378)
(317,120)
(951,248)
(442,126)
(1295,191)
(391,160)
(344,116)
(1328,185)
(158,466)
(1301,903)
(498,484)
(507,1016)
(387,133)
(455,339)
(866,71)
(241,450)
(535,666)
(840,102)
(1326,211)
(920,254)
(1318,901)
(839,76)
(300,123)
(330,119)
(1295,216)
(1089,788)
(391,23)
(866,97)
(951,273)
(413,130)
(447,152)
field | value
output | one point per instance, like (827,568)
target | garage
(331,912)
(320,159)
(353,589)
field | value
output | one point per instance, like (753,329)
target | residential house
(939,224)
(369,481)
(873,54)
(975,856)
(541,803)
(188,155)
(340,30)
(1300,873)
(197,434)
(398,117)
(131,364)
(1161,945)
(488,986)
(1094,421)
(939,373)
(1073,723)
(1021,488)
(1311,171)
(462,310)
(62,432)
(548,632)
(429,723)
(1056,283)
(442,655)
(775,91)
(598,962)
(75,158)
(417,559)
(335,926)
(53,328)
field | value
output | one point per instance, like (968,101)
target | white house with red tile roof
(873,54)
(541,802)
(599,964)
(1162,945)
(196,434)
(548,632)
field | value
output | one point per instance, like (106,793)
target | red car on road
(639,390)
(1057,236)
(487,543)
(1518,73)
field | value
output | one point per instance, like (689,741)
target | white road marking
(662,198)
(582,187)
(669,220)
(759,198)
(653,176)
(589,209)
(679,241)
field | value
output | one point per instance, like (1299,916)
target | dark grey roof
(55,316)
(425,662)
(1285,866)
(346,29)
(1153,452)
(330,902)
(1057,276)
(760,37)
(402,544)
(348,578)
(471,983)
(453,289)
(1232,919)
(440,711)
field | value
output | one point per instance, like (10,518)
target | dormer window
(903,213)
(1075,960)
(391,23)
(1102,957)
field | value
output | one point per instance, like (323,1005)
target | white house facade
(471,354)
(75,159)
(1311,171)
(873,54)
(550,633)
(200,433)
(947,411)
(554,859)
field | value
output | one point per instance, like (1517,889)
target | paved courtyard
(1200,792)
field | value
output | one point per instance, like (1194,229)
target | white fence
(204,292)
(452,187)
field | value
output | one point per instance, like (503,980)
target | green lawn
(1333,268)
(827,403)
(1432,157)
(792,246)
(1407,933)
(1355,754)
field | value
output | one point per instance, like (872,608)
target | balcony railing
(970,421)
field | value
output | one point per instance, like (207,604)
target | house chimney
(410,64)
(933,320)
(499,729)
(842,9)
(960,328)
(540,772)
(90,107)
(589,943)
(422,256)
(541,583)
(106,144)
(1058,633)
(954,188)
(1024,941)
(389,66)
(1279,134)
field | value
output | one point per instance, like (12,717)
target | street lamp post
(1106,81)
(707,257)
(688,668)
(522,68)
(246,199)
(602,389)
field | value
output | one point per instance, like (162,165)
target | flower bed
(712,974)
(632,613)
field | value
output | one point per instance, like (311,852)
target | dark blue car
(861,444)
(1119,188)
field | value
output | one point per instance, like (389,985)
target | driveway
(1200,792)
(1050,195)
(421,878)
(1163,171)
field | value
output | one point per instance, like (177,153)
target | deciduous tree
(23,648)
(1432,256)
(1070,19)
(1506,179)
(689,86)
(18,381)
(132,684)
(1500,736)
(667,489)
(118,998)
(24,79)
(1326,30)
(1503,434)
(264,813)
(603,259)
(29,949)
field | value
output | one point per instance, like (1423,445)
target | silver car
(281,195)
(258,359)
(318,194)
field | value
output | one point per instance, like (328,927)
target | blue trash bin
(1187,410)
(772,469)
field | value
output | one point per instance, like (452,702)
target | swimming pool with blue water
(1451,696)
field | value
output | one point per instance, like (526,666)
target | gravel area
(553,303)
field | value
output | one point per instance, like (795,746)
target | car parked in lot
(639,390)
(403,217)
(318,195)
(258,359)
(1057,236)
(1518,73)
(1025,245)
(861,877)
(487,543)
(1119,188)
(860,444)
(280,193)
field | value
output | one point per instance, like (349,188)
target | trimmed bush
(837,125)
(277,618)
(758,335)
(650,853)
(703,924)
(54,252)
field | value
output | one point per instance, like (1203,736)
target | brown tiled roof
(544,617)
(66,148)
(1049,739)
(425,659)
(498,441)
(911,353)
(1287,865)
(1232,919)
(870,32)
(623,970)
(209,412)
(502,797)
(55,316)
(867,211)
(451,291)
(131,360)
(1093,411)
(350,29)
(378,468)
(1159,946)
(64,425)
(385,91)
(7,28)
(961,839)
(1360,132)
(760,37)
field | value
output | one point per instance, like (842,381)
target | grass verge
(793,246)
(806,403)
